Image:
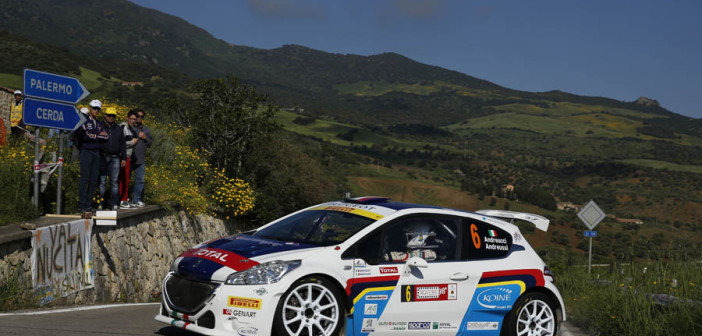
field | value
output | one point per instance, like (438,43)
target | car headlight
(262,274)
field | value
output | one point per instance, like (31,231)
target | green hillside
(386,116)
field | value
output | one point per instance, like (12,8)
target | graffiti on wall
(61,259)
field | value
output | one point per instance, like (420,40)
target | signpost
(591,215)
(46,110)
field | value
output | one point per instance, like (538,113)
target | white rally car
(367,266)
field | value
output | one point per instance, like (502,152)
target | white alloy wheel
(536,318)
(311,308)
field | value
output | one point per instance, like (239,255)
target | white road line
(68,310)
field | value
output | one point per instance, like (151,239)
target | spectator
(113,156)
(144,140)
(73,139)
(130,140)
(16,123)
(89,136)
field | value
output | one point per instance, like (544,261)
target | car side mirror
(417,262)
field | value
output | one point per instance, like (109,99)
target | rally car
(367,266)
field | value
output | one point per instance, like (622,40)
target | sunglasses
(110,115)
(132,118)
(95,108)
(140,117)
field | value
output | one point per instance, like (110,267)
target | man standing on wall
(113,156)
(130,140)
(139,159)
(89,137)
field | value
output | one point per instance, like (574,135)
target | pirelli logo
(242,302)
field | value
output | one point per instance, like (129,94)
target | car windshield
(317,227)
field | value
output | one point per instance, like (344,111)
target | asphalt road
(131,319)
(118,319)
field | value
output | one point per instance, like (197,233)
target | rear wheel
(533,315)
(311,307)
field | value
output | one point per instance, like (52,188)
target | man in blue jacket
(113,156)
(89,136)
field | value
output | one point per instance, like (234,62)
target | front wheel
(532,315)
(311,307)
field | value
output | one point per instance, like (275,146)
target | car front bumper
(228,310)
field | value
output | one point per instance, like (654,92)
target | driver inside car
(413,240)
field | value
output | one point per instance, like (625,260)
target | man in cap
(89,136)
(16,124)
(113,156)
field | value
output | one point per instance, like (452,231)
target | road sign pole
(60,173)
(589,258)
(36,170)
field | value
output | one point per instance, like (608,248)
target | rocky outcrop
(647,102)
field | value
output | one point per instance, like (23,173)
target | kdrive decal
(242,302)
(437,292)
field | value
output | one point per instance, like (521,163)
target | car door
(409,277)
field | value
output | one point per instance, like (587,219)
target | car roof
(397,206)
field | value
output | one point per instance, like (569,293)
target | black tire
(533,312)
(312,304)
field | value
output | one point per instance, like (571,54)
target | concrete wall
(129,259)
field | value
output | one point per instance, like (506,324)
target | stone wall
(129,260)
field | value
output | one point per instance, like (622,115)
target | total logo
(210,254)
(388,270)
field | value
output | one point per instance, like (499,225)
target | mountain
(638,158)
(381,89)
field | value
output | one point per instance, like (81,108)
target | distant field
(11,81)
(328,130)
(664,165)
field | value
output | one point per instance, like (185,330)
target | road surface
(117,319)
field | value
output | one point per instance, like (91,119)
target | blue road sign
(52,115)
(45,85)
(591,234)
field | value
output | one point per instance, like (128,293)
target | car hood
(216,259)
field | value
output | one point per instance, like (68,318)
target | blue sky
(622,49)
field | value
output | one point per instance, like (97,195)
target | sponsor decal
(388,270)
(496,298)
(261,291)
(360,263)
(376,297)
(369,324)
(365,211)
(242,302)
(393,325)
(238,313)
(434,292)
(482,325)
(418,325)
(212,255)
(371,309)
(517,237)
(243,331)
(444,325)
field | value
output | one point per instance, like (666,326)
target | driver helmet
(418,235)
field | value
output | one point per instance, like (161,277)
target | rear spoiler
(540,222)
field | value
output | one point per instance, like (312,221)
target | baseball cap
(111,110)
(18,92)
(95,103)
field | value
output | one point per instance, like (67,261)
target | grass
(664,165)
(619,300)
(328,131)
(11,81)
